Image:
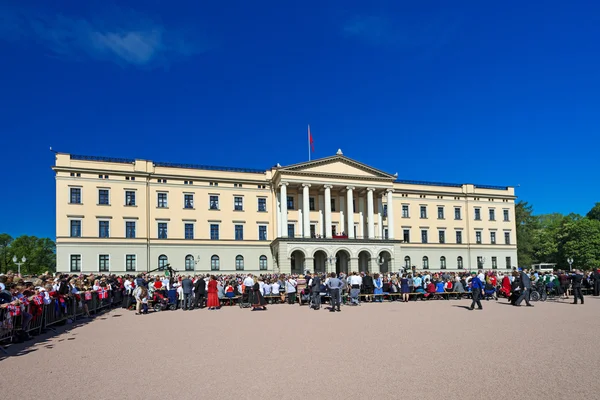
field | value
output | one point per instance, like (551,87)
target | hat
(473,273)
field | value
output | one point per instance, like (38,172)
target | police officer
(576,280)
(334,286)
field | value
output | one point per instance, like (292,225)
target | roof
(167,164)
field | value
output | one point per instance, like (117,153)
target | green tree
(594,213)
(546,238)
(5,241)
(39,252)
(580,239)
(526,227)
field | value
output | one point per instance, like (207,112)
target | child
(144,298)
(229,291)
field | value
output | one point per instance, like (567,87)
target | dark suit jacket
(200,287)
(525,281)
(186,285)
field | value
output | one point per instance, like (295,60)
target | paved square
(426,350)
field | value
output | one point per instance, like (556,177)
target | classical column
(361,217)
(278,213)
(380,216)
(328,232)
(306,203)
(370,217)
(321,227)
(283,219)
(350,207)
(390,213)
(342,212)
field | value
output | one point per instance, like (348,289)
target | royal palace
(330,214)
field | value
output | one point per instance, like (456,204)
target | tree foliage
(40,254)
(553,238)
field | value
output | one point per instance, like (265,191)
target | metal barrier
(59,310)
(7,327)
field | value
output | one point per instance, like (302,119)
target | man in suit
(315,291)
(576,281)
(334,286)
(200,292)
(525,289)
(596,276)
(186,285)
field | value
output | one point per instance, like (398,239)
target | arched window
(442,262)
(189,262)
(407,262)
(214,263)
(163,261)
(262,263)
(239,263)
(459,262)
(425,262)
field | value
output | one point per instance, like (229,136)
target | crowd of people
(209,291)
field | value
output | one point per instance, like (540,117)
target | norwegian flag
(38,300)
(24,300)
(102,293)
(88,296)
(13,311)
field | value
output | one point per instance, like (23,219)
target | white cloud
(129,39)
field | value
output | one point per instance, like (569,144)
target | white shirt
(166,283)
(248,281)
(355,280)
(290,286)
(275,288)
(261,286)
(267,289)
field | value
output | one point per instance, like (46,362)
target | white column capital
(306,185)
(389,191)
(370,189)
(349,187)
(328,186)
(283,184)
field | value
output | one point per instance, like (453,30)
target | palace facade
(331,214)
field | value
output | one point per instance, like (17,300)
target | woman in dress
(258,301)
(213,299)
(404,288)
(378,288)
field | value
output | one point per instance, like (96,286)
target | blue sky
(502,93)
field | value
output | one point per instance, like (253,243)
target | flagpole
(308,142)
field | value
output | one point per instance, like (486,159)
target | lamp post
(380,262)
(332,261)
(570,261)
(23,260)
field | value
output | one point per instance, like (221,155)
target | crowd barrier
(58,312)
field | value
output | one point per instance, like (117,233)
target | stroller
(305,297)
(162,301)
(489,291)
(355,297)
(245,301)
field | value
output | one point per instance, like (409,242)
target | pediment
(337,165)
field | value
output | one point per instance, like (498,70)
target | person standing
(476,289)
(596,276)
(315,291)
(576,281)
(187,285)
(213,298)
(334,286)
(525,289)
(200,292)
(290,289)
